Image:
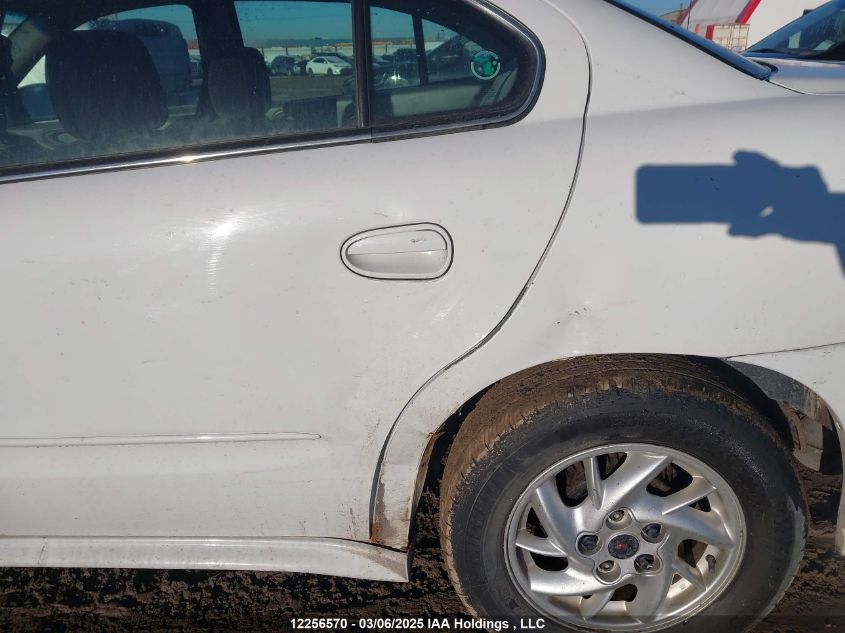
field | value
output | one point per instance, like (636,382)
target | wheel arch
(796,413)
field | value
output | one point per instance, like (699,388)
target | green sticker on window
(485,65)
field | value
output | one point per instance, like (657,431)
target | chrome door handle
(410,252)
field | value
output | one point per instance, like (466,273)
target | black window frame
(364,132)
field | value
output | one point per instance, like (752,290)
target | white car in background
(606,291)
(328,65)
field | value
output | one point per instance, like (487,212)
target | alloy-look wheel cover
(655,539)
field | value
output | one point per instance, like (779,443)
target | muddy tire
(623,494)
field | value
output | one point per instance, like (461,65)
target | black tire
(330,72)
(310,72)
(527,424)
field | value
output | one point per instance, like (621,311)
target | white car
(605,290)
(328,65)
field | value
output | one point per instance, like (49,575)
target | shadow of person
(755,197)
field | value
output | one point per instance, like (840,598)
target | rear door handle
(410,252)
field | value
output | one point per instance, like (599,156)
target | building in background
(737,24)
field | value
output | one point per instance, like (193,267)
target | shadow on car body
(755,196)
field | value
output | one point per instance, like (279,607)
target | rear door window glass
(441,60)
(308,50)
(89,86)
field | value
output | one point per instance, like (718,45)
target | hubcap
(628,536)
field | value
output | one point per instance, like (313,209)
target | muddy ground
(129,600)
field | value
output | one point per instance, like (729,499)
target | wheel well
(796,414)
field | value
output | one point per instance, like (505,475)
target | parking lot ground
(106,601)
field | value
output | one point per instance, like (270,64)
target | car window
(137,81)
(168,80)
(314,97)
(435,60)
(819,34)
(11,20)
(169,34)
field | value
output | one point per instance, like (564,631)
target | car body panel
(652,256)
(821,369)
(192,358)
(811,77)
(218,379)
(312,555)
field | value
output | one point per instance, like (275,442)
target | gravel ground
(105,600)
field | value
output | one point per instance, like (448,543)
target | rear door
(215,304)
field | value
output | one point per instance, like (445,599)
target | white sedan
(328,65)
(605,290)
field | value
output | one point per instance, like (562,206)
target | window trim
(732,59)
(448,123)
(489,116)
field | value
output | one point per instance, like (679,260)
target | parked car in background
(595,298)
(347,58)
(809,53)
(300,67)
(328,65)
(283,65)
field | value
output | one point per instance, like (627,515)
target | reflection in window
(308,50)
(137,80)
(441,60)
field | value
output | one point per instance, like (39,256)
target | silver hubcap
(628,536)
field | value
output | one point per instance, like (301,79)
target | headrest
(239,86)
(104,85)
(5,53)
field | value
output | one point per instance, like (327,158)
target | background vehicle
(819,35)
(283,65)
(328,65)
(611,304)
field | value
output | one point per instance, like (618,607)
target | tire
(611,410)
(310,72)
(330,72)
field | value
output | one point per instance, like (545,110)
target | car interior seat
(105,90)
(239,93)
